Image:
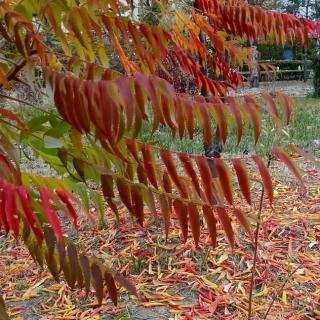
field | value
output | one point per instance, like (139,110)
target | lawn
(303,129)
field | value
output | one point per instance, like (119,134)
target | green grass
(302,130)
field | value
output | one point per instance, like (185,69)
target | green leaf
(96,197)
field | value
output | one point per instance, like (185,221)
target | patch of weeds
(163,260)
(123,315)
(21,285)
(203,260)
(137,264)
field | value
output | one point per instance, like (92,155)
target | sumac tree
(100,65)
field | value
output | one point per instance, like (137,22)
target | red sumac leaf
(181,211)
(111,286)
(149,165)
(225,179)
(236,114)
(3,217)
(124,192)
(165,210)
(51,241)
(126,284)
(137,203)
(266,179)
(3,312)
(24,198)
(206,123)
(97,281)
(64,197)
(226,224)
(253,111)
(11,116)
(211,222)
(285,103)
(107,185)
(194,222)
(79,165)
(222,124)
(141,173)
(272,108)
(168,161)
(132,147)
(73,260)
(243,221)
(243,179)
(166,181)
(50,213)
(85,266)
(11,209)
(287,160)
(206,177)
(187,165)
(180,119)
(151,204)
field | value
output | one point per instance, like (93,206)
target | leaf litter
(176,280)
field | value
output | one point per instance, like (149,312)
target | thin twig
(255,254)
(256,242)
(17,100)
(280,289)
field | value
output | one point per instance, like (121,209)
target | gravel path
(291,88)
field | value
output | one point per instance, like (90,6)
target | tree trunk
(316,79)
(214,149)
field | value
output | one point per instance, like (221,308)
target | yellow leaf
(284,297)
(223,258)
(262,292)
